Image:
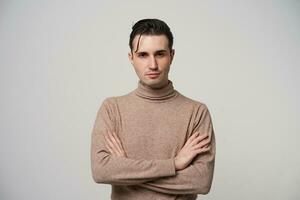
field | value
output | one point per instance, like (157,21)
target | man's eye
(142,55)
(160,54)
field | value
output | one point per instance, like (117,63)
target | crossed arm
(190,172)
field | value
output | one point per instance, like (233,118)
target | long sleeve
(110,169)
(197,177)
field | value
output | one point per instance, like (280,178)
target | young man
(153,143)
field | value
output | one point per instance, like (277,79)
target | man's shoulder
(192,101)
(115,99)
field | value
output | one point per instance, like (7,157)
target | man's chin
(153,83)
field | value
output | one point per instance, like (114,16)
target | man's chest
(154,132)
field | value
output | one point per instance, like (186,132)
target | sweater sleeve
(197,177)
(109,169)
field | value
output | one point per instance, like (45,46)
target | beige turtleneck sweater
(153,125)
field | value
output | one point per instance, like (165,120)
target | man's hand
(114,145)
(196,144)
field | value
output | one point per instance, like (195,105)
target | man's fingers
(199,139)
(116,145)
(123,153)
(110,145)
(109,148)
(191,138)
(202,144)
(118,140)
(202,150)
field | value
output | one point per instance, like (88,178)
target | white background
(60,59)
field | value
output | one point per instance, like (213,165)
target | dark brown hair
(150,27)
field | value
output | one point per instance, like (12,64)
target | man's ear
(172,54)
(130,57)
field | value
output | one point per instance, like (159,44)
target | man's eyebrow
(161,51)
(158,51)
(140,52)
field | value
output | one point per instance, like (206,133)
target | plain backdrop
(60,59)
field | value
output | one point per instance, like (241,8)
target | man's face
(153,57)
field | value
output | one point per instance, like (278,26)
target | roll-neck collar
(156,94)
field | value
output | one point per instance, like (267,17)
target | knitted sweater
(153,125)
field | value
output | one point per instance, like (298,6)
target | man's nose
(153,63)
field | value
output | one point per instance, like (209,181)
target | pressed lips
(153,74)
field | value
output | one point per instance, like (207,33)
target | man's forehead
(150,42)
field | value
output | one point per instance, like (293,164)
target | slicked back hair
(150,27)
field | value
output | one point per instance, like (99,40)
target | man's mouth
(153,75)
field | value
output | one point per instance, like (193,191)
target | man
(153,143)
